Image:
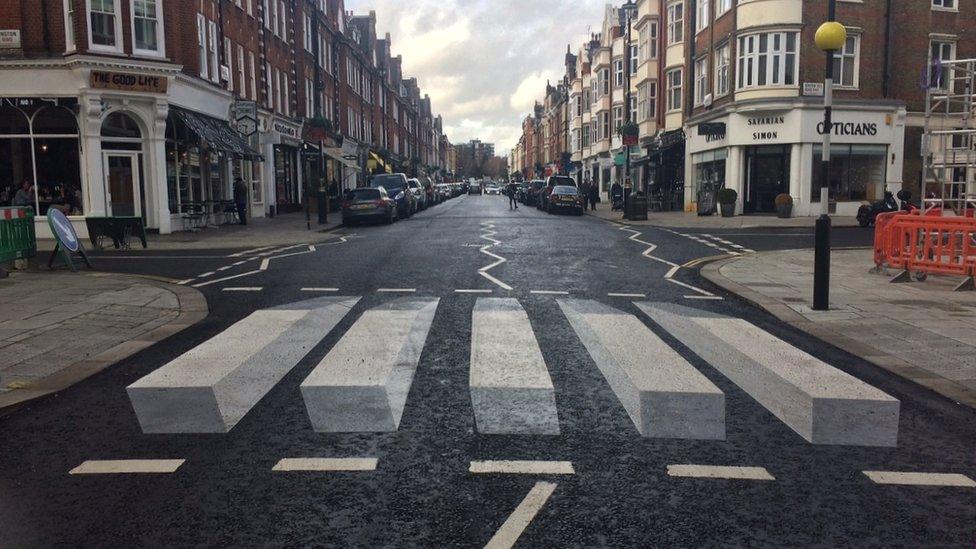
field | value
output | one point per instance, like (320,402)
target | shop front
(666,177)
(281,146)
(762,153)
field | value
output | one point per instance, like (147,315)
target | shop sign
(242,109)
(631,140)
(850,128)
(9,39)
(814,89)
(62,229)
(712,129)
(765,121)
(285,130)
(129,82)
(246,126)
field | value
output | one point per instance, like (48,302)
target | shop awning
(217,133)
(336,154)
(376,161)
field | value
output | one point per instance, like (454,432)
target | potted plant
(727,199)
(784,206)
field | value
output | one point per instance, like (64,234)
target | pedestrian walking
(240,200)
(594,196)
(512,190)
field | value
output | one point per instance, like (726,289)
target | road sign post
(67,241)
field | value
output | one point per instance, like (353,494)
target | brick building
(728,94)
(152,109)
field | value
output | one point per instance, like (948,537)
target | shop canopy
(217,133)
(375,161)
(336,154)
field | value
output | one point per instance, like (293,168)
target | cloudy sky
(484,63)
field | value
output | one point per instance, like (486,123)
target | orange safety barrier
(928,244)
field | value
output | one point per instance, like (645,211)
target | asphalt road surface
(476,375)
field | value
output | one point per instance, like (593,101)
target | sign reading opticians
(9,39)
(129,82)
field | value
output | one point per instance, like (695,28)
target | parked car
(551,183)
(564,197)
(419,193)
(474,187)
(397,187)
(368,204)
(533,192)
(444,192)
(432,198)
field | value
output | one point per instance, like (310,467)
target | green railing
(17,239)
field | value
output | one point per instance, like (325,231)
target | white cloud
(484,63)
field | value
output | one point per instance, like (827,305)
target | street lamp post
(629,8)
(830,37)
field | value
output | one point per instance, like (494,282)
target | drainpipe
(886,76)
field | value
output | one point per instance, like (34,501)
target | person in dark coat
(240,200)
(594,196)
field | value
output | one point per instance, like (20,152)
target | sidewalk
(57,329)
(924,332)
(686,220)
(283,230)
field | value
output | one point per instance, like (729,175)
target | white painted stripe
(921,479)
(128,466)
(239,263)
(326,464)
(522,467)
(509,533)
(222,269)
(494,280)
(719,471)
(320,289)
(473,291)
(219,280)
(637,296)
(251,289)
(205,275)
(549,292)
(511,391)
(705,297)
(396,290)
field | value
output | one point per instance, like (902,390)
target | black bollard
(821,265)
(323,207)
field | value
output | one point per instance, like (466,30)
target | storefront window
(857,172)
(286,178)
(39,159)
(709,170)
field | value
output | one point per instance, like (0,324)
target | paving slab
(362,383)
(821,403)
(511,391)
(210,388)
(664,395)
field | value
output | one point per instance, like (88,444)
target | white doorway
(122,184)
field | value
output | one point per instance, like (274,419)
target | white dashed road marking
(396,290)
(921,479)
(719,471)
(509,533)
(326,464)
(549,292)
(324,290)
(633,296)
(473,291)
(522,467)
(252,289)
(128,466)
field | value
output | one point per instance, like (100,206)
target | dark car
(398,189)
(532,192)
(368,205)
(564,197)
(551,183)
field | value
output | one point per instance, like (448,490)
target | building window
(857,172)
(845,63)
(69,26)
(673,82)
(941,51)
(308,33)
(702,15)
(648,42)
(147,21)
(228,55)
(604,125)
(241,84)
(203,58)
(701,80)
(633,108)
(721,7)
(618,73)
(651,101)
(676,23)
(767,59)
(309,98)
(634,58)
(214,63)
(944,5)
(104,25)
(722,70)
(618,117)
(605,82)
(641,103)
(252,75)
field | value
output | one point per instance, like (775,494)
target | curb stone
(885,361)
(193,309)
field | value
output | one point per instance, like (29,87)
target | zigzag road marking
(487,235)
(674,266)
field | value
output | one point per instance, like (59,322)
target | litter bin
(636,207)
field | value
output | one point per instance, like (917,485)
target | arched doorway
(122,161)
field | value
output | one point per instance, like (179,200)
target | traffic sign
(62,229)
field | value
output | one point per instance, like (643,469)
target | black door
(767,175)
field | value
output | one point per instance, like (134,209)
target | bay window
(604,125)
(618,73)
(634,59)
(675,23)
(673,82)
(618,117)
(104,29)
(701,80)
(767,59)
(147,33)
(648,42)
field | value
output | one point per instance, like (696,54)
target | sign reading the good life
(129,82)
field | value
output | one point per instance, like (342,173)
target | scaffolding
(949,141)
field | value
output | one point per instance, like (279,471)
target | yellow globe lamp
(831,36)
